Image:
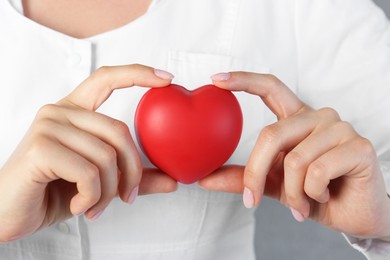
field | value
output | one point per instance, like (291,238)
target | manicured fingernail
(163,74)
(97,215)
(133,195)
(297,215)
(221,76)
(248,198)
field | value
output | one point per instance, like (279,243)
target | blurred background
(280,237)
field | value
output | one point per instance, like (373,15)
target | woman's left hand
(310,160)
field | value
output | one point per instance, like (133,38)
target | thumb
(93,91)
(228,178)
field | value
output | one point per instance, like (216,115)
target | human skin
(310,160)
(85,18)
(74,161)
(312,184)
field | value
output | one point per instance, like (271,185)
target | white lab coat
(331,53)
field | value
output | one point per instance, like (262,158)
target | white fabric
(331,53)
(18,5)
(373,249)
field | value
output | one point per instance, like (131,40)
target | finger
(275,94)
(297,161)
(228,178)
(91,93)
(338,162)
(154,181)
(116,134)
(99,153)
(276,138)
(62,163)
(282,102)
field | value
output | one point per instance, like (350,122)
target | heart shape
(188,134)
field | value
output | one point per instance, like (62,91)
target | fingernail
(163,74)
(133,195)
(297,215)
(248,198)
(97,215)
(221,76)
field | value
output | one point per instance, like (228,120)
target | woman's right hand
(74,160)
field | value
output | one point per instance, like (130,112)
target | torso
(82,19)
(193,39)
(42,66)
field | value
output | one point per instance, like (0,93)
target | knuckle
(101,73)
(316,174)
(316,180)
(316,171)
(364,145)
(43,125)
(273,80)
(329,113)
(367,151)
(103,70)
(47,111)
(295,161)
(135,66)
(109,155)
(343,126)
(271,134)
(120,127)
(38,148)
(91,173)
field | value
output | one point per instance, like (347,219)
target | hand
(74,160)
(310,161)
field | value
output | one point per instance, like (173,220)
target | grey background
(279,236)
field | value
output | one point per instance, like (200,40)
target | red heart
(188,134)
